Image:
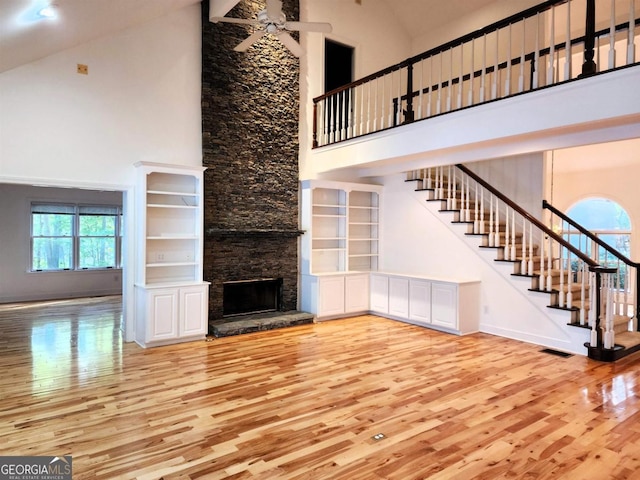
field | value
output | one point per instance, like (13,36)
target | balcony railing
(549,44)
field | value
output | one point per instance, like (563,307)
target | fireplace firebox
(251,296)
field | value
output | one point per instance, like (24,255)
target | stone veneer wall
(250,109)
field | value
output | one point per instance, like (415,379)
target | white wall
(468,23)
(371,28)
(140,101)
(607,170)
(16,282)
(519,178)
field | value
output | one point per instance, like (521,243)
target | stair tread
(628,339)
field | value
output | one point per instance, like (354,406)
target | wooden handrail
(604,245)
(514,61)
(546,205)
(585,258)
(530,12)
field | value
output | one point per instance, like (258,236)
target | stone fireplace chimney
(250,109)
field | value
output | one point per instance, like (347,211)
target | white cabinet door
(444,305)
(193,311)
(420,301)
(356,293)
(330,296)
(399,297)
(162,318)
(379,293)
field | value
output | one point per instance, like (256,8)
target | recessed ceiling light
(48,12)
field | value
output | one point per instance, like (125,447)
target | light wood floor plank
(305,402)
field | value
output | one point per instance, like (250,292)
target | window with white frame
(75,237)
(608,221)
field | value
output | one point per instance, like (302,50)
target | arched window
(609,222)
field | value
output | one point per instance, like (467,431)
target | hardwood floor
(306,402)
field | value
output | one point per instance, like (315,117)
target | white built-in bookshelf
(172,299)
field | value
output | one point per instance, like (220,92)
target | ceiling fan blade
(250,40)
(309,26)
(290,43)
(219,8)
(242,21)
(274,8)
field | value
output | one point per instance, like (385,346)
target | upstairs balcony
(563,73)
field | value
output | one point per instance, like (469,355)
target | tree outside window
(75,237)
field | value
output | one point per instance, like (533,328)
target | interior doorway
(338,64)
(338,71)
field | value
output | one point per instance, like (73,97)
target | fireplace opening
(251,296)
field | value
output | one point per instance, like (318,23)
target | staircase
(588,292)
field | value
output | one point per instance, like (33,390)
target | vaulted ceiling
(24,39)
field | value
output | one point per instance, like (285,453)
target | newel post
(589,67)
(315,125)
(408,113)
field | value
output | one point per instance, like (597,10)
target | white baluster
(631,46)
(400,109)
(612,36)
(561,296)
(625,298)
(430,86)
(383,103)
(449,189)
(609,333)
(471,77)
(467,212)
(541,278)
(490,239)
(536,54)
(583,276)
(507,83)
(476,216)
(569,281)
(482,226)
(420,89)
(439,98)
(531,250)
(483,73)
(593,294)
(461,76)
(523,261)
(522,57)
(567,45)
(496,76)
(496,233)
(375,106)
(450,88)
(514,253)
(550,266)
(552,47)
(507,250)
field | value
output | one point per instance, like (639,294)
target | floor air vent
(556,352)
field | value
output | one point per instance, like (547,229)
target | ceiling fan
(271,20)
